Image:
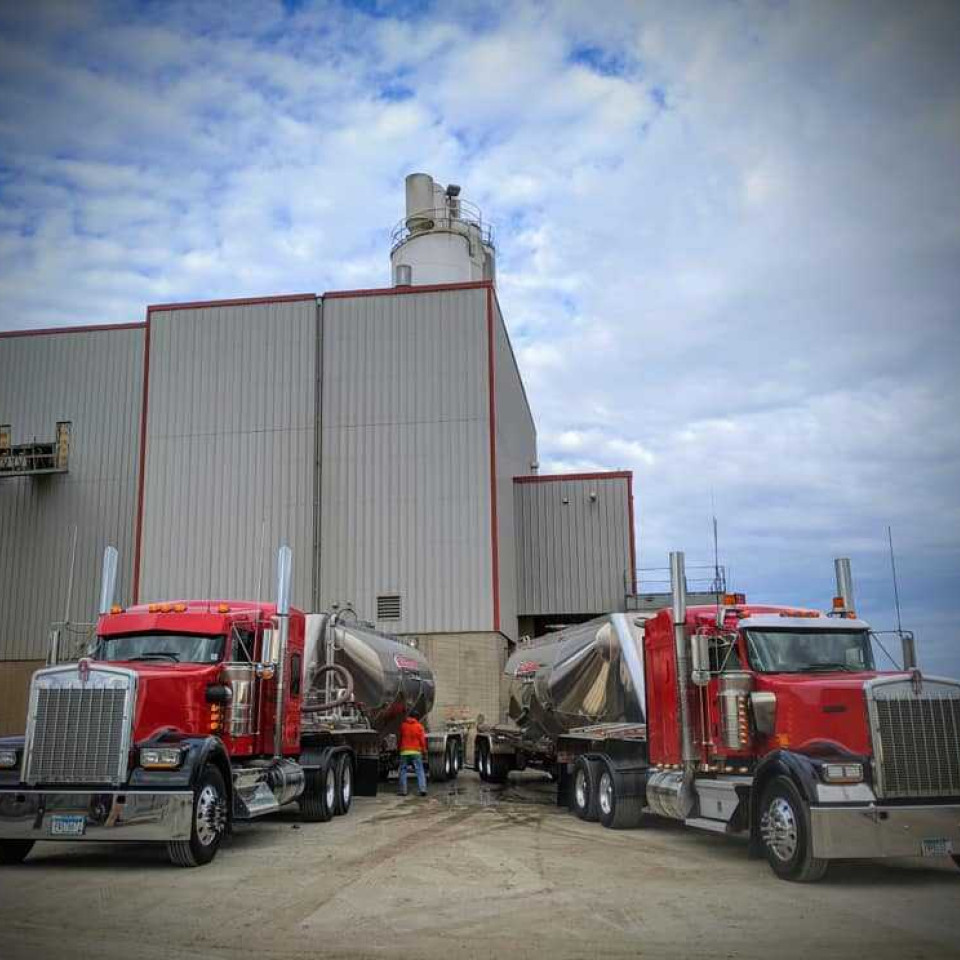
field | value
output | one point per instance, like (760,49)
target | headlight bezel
(9,758)
(161,758)
(842,772)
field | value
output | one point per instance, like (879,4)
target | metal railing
(448,217)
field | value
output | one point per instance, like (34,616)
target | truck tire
(498,768)
(456,757)
(583,796)
(14,851)
(617,810)
(344,783)
(318,802)
(480,758)
(786,835)
(208,823)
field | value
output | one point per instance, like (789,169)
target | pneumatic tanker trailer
(771,722)
(186,716)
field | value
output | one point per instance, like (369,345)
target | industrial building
(385,434)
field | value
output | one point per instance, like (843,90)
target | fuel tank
(390,678)
(586,674)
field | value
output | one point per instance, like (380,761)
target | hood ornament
(916,680)
(83,669)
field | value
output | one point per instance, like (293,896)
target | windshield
(161,647)
(809,651)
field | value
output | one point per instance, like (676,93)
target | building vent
(388,606)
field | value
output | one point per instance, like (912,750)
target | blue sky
(729,233)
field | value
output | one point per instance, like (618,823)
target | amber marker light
(223,608)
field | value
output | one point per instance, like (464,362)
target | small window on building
(388,606)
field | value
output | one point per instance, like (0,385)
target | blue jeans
(417,760)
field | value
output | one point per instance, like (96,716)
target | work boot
(399,794)
(423,793)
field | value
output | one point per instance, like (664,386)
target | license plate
(936,847)
(63,825)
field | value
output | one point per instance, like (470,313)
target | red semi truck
(770,722)
(187,716)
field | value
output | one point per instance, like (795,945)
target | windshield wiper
(826,667)
(156,654)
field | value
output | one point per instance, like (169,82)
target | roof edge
(556,477)
(86,328)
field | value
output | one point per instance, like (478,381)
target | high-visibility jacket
(413,738)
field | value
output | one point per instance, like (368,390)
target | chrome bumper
(112,815)
(876,831)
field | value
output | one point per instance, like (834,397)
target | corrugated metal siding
(230,448)
(405,478)
(516,451)
(572,557)
(94,380)
(14,693)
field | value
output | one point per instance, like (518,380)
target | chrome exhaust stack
(678,590)
(108,579)
(843,603)
(284,575)
(669,791)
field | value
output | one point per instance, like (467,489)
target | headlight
(842,772)
(160,758)
(8,759)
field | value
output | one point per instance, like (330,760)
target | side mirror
(700,658)
(269,647)
(764,705)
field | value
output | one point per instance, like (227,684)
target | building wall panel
(516,451)
(230,455)
(92,378)
(573,552)
(405,488)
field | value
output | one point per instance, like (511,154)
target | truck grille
(79,730)
(916,738)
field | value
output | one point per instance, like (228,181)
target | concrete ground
(470,871)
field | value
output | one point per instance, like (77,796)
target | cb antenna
(893,569)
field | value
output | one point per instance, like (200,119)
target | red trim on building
(94,328)
(138,534)
(553,477)
(494,525)
(241,302)
(401,291)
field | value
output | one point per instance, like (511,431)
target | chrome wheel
(211,815)
(580,789)
(330,786)
(346,785)
(778,827)
(606,793)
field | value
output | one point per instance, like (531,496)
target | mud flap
(367,777)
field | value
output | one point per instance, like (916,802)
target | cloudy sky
(729,233)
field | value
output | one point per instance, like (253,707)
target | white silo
(442,238)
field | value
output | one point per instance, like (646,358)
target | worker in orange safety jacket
(413,749)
